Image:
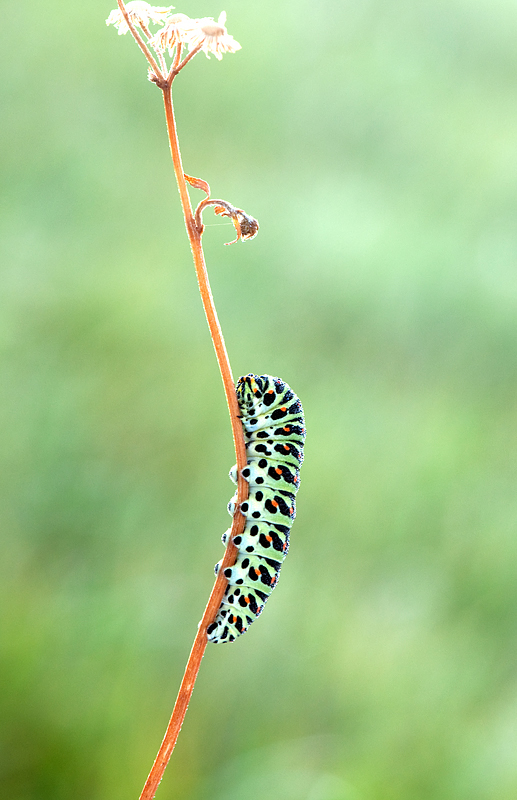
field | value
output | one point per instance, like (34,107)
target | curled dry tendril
(246,226)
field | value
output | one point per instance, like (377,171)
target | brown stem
(214,601)
(140,42)
(161,59)
(177,56)
(174,71)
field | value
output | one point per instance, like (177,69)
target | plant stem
(177,56)
(187,58)
(138,39)
(214,601)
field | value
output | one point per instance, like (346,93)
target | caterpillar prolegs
(274,430)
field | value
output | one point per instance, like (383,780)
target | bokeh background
(376,142)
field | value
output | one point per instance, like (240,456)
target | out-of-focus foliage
(376,142)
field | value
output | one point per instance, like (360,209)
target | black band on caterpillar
(274,431)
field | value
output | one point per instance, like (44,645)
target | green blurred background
(376,142)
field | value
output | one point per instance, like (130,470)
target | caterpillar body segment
(263,539)
(261,472)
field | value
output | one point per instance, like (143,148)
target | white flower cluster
(178,29)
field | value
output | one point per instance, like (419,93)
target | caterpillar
(274,432)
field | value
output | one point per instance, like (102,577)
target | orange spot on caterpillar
(247,600)
(257,572)
(278,471)
(274,503)
(286,447)
(269,538)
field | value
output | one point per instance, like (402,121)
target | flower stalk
(209,36)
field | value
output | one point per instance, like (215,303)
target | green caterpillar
(274,430)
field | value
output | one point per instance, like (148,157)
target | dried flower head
(213,37)
(140,14)
(178,29)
